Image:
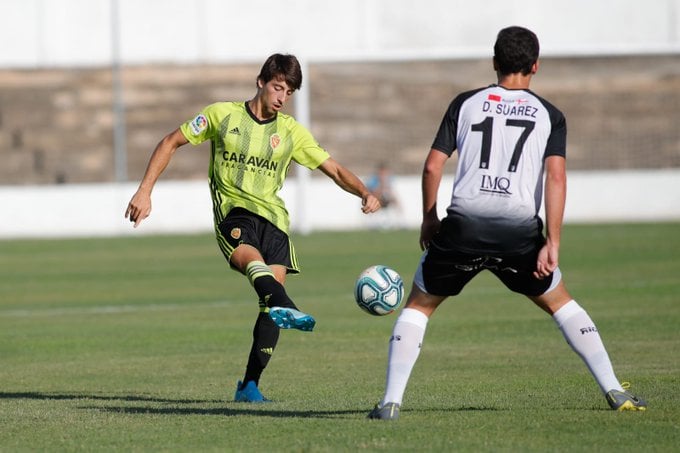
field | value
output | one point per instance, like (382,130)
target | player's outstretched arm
(139,207)
(349,182)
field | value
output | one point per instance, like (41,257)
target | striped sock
(270,291)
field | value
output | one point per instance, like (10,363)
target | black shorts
(244,227)
(446,272)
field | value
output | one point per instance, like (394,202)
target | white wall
(184,207)
(41,33)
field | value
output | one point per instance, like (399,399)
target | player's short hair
(516,50)
(283,66)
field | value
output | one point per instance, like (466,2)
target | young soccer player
(253,144)
(508,138)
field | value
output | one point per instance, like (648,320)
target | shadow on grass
(88,396)
(232,409)
(256,410)
(245,409)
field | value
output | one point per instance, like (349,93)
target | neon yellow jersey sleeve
(250,158)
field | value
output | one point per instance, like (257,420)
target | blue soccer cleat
(290,318)
(249,394)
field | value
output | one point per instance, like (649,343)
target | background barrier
(81,210)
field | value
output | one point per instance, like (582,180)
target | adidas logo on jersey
(235,131)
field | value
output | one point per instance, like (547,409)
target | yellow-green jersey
(250,158)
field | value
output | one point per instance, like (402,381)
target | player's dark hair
(282,66)
(516,50)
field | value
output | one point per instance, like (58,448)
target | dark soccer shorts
(243,227)
(446,272)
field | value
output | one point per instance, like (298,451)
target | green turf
(135,344)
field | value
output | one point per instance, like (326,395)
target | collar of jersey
(255,118)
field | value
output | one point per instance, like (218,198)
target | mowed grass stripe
(108,309)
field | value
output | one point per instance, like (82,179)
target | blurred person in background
(381,184)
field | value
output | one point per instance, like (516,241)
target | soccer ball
(379,290)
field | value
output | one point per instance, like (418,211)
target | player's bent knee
(422,301)
(553,299)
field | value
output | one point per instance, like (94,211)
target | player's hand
(547,260)
(369,203)
(139,208)
(428,229)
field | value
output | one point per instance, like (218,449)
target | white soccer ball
(379,290)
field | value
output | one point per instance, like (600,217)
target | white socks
(405,344)
(581,334)
(576,326)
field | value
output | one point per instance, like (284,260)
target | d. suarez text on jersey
(510,109)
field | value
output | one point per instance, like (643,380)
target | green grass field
(136,344)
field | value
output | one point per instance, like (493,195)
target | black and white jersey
(502,137)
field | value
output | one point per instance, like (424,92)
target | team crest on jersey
(274,140)
(235,233)
(198,124)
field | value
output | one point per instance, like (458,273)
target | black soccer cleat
(388,411)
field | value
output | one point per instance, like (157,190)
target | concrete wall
(57,125)
(43,33)
(82,210)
